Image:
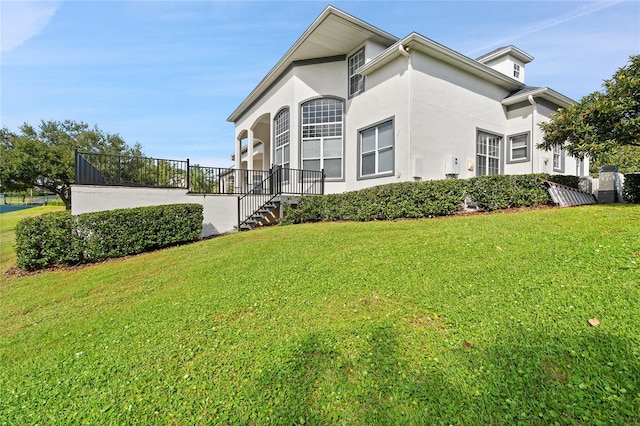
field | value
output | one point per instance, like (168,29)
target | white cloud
(549,23)
(22,20)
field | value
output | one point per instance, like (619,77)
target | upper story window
(516,70)
(322,147)
(488,153)
(281,137)
(356,81)
(376,150)
(518,150)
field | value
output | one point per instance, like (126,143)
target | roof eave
(544,93)
(284,62)
(432,48)
(510,50)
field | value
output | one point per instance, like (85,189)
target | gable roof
(333,33)
(506,50)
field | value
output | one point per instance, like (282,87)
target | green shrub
(56,202)
(631,188)
(421,199)
(47,240)
(122,232)
(384,202)
(566,180)
(497,192)
(61,239)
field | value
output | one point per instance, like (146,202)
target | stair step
(258,216)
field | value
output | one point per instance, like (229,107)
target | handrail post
(188,176)
(76,173)
(279,179)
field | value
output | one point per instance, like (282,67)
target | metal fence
(124,170)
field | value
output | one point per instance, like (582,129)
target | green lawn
(463,320)
(7,237)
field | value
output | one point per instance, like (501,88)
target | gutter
(416,41)
(543,92)
(534,110)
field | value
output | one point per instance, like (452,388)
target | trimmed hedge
(631,188)
(566,180)
(498,192)
(47,240)
(422,199)
(61,239)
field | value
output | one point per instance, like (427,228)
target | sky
(167,74)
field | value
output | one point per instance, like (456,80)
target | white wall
(504,64)
(386,95)
(448,108)
(437,111)
(220,211)
(301,83)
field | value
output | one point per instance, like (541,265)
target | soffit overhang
(506,50)
(332,34)
(541,93)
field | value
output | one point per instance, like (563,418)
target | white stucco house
(351,106)
(369,108)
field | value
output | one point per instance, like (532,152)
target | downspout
(404,51)
(534,109)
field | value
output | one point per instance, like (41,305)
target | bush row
(631,188)
(62,239)
(426,199)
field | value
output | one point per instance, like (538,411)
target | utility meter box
(451,165)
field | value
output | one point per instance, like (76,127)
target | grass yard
(8,223)
(464,320)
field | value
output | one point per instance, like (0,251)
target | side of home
(369,109)
(350,106)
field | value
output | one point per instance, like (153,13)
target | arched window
(322,146)
(281,137)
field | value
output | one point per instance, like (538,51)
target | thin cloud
(23,20)
(549,23)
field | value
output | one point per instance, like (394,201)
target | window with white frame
(516,70)
(281,138)
(558,159)
(322,136)
(488,154)
(518,148)
(356,81)
(375,147)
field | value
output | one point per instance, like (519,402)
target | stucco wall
(448,107)
(386,96)
(220,211)
(437,110)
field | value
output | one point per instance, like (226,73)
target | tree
(44,157)
(603,125)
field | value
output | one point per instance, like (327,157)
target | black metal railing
(256,188)
(217,180)
(124,170)
(276,182)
